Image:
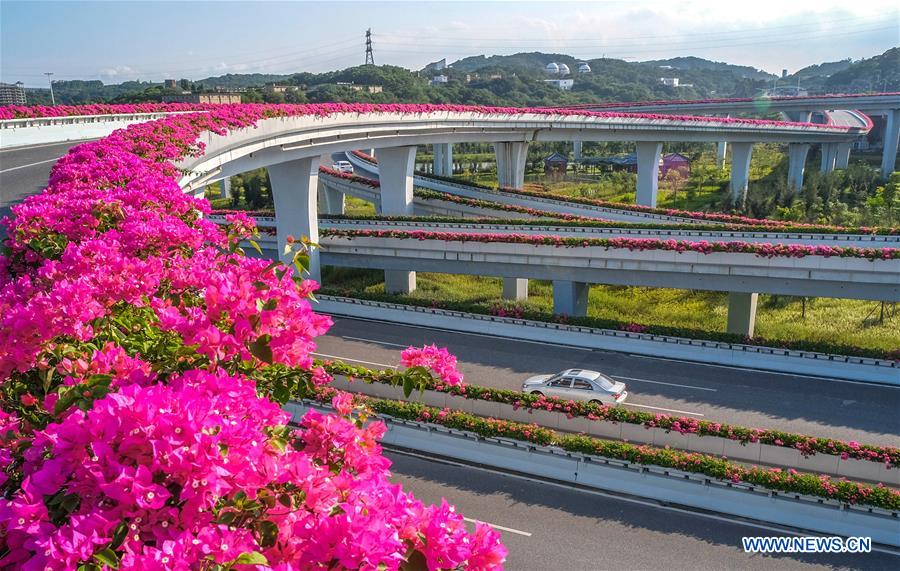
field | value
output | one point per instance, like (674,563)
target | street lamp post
(50,79)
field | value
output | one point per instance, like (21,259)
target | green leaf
(255,246)
(108,557)
(408,385)
(251,558)
(268,533)
(119,535)
(415,562)
(261,350)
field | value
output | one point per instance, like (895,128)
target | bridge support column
(511,159)
(799,116)
(570,298)
(740,171)
(395,172)
(295,190)
(332,201)
(577,149)
(647,172)
(797,164)
(515,289)
(226,187)
(721,150)
(442,159)
(842,156)
(891,138)
(829,154)
(742,313)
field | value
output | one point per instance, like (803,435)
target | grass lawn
(848,322)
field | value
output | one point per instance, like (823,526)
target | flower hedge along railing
(135,342)
(807,445)
(17,111)
(518,310)
(790,481)
(765,225)
(634,244)
(571,221)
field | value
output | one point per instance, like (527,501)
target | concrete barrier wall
(755,453)
(652,482)
(714,352)
(23,132)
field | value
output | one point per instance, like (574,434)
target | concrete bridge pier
(797,153)
(511,162)
(740,171)
(721,151)
(842,155)
(829,154)
(226,187)
(570,298)
(647,172)
(515,289)
(395,171)
(295,191)
(332,201)
(442,159)
(742,313)
(799,116)
(891,139)
(577,150)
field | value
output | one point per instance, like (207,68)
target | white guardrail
(752,452)
(44,130)
(653,482)
(702,351)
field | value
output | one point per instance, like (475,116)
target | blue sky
(124,40)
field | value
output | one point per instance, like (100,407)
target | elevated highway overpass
(837,108)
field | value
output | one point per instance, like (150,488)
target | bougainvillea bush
(142,368)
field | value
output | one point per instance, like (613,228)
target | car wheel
(596,402)
(537,393)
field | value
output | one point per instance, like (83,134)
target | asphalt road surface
(24,171)
(550,527)
(818,407)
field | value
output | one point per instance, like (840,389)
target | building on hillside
(440,80)
(216,98)
(583,67)
(786,91)
(275,88)
(366,88)
(12,93)
(675,162)
(556,165)
(563,84)
(669,81)
(170,84)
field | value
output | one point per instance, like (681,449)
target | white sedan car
(578,384)
(343,167)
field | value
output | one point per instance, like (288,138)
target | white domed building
(552,68)
(584,68)
(564,69)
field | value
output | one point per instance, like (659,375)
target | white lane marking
(354,360)
(500,527)
(876,384)
(29,165)
(665,409)
(662,383)
(647,503)
(513,339)
(374,341)
(29,147)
